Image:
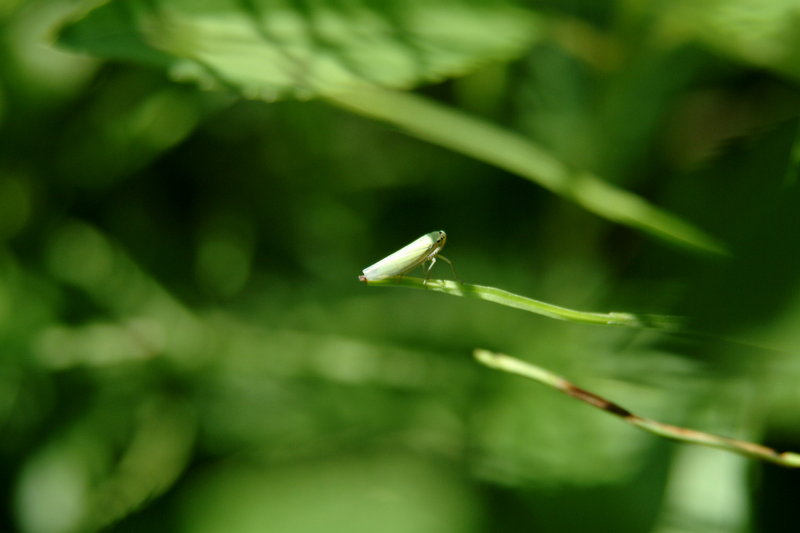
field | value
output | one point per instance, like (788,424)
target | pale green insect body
(424,249)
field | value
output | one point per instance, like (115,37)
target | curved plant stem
(509,299)
(512,365)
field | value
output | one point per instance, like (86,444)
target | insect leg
(428,270)
(451,266)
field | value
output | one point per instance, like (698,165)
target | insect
(423,250)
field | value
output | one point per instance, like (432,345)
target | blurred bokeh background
(184,345)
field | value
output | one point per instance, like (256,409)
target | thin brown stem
(521,368)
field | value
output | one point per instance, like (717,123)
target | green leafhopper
(423,250)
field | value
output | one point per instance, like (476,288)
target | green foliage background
(189,189)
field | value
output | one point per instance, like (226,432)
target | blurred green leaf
(89,480)
(127,126)
(272,48)
(760,32)
(793,168)
(269,49)
(362,494)
(460,132)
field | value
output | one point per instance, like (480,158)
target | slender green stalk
(516,301)
(512,365)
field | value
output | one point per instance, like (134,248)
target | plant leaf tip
(484,356)
(791,459)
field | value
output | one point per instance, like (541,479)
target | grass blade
(509,299)
(512,365)
(505,149)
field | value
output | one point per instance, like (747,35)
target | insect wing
(403,259)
